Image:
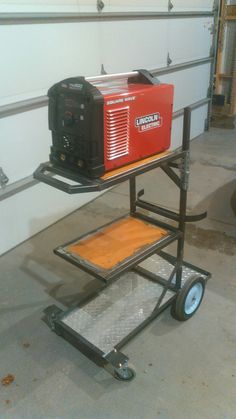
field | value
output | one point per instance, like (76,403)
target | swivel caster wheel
(188,299)
(124,373)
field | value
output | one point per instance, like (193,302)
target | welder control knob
(68,119)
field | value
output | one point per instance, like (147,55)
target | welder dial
(68,119)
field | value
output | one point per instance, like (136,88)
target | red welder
(101,123)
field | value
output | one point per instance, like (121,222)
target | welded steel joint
(185,171)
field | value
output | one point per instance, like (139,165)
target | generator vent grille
(117,125)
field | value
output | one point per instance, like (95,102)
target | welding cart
(140,279)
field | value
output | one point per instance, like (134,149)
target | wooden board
(220,46)
(231,12)
(113,244)
(132,166)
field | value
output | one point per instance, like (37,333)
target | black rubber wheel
(188,299)
(124,374)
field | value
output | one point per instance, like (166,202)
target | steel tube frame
(183,195)
(115,358)
(182,183)
(216,11)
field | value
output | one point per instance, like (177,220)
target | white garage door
(44,41)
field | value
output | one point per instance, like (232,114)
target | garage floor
(184,370)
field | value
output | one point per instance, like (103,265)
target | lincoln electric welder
(101,123)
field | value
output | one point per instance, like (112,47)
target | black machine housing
(76,119)
(76,122)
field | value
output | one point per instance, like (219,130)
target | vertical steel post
(183,193)
(132,194)
(216,10)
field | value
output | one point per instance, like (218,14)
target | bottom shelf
(119,311)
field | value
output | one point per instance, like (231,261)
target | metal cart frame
(176,166)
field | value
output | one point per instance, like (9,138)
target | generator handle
(115,76)
(136,76)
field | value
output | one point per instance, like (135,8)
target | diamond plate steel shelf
(108,320)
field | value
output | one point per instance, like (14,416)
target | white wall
(34,56)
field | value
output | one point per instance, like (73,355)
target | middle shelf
(118,246)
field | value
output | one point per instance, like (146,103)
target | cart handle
(46,173)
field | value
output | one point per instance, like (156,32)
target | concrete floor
(184,370)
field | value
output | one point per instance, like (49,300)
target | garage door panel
(44,54)
(190,85)
(27,142)
(176,133)
(110,5)
(135,5)
(186,48)
(198,118)
(133,44)
(48,6)
(194,5)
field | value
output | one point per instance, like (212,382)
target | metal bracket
(116,359)
(215,7)
(3,178)
(206,124)
(140,193)
(184,171)
(209,91)
(103,71)
(170,6)
(169,60)
(212,50)
(100,5)
(211,29)
(51,315)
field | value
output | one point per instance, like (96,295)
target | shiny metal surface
(122,306)
(116,311)
(115,76)
(159,266)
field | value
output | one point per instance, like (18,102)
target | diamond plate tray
(120,308)
(161,267)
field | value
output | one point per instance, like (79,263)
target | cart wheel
(188,299)
(124,373)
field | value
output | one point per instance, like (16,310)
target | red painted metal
(137,121)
